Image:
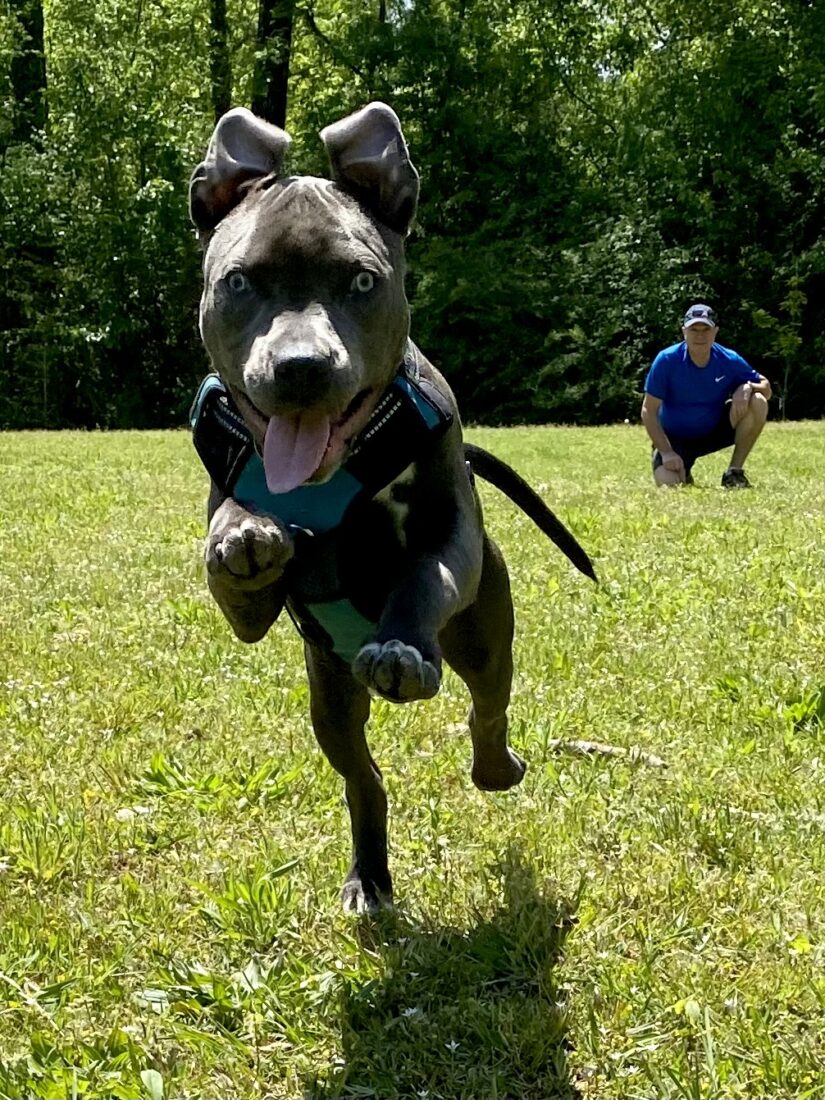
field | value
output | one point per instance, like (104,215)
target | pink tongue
(293,449)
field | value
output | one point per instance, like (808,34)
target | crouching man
(701,397)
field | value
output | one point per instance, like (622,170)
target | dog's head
(303,310)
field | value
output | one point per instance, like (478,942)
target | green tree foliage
(105,299)
(726,129)
(587,170)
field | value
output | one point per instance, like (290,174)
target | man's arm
(763,386)
(650,419)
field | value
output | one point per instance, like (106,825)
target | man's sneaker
(734,478)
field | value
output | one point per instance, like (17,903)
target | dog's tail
(505,478)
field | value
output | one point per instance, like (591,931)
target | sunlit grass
(172,842)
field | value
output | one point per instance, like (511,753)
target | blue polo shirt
(693,398)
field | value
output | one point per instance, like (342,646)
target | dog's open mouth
(306,446)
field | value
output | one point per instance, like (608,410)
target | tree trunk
(220,65)
(28,73)
(271,79)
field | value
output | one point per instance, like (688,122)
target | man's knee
(757,410)
(758,407)
(755,415)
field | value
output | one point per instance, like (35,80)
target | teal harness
(409,417)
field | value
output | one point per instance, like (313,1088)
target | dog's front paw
(249,552)
(396,671)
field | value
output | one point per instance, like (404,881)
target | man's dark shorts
(723,435)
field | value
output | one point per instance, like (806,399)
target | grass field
(172,842)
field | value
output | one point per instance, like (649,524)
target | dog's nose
(301,376)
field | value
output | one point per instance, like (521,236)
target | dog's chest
(395,498)
(365,558)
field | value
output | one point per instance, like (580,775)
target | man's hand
(739,403)
(673,462)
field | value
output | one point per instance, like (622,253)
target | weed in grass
(42,842)
(253,909)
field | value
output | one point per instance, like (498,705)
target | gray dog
(341,487)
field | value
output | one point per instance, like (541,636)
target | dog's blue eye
(237,282)
(363,282)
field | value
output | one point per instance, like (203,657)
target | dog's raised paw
(253,551)
(396,671)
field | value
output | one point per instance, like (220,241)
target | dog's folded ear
(369,159)
(243,148)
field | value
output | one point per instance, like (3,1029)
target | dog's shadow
(459,1014)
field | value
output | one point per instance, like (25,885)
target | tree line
(587,169)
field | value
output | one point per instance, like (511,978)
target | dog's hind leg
(340,707)
(477,644)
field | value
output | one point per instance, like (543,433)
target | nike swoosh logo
(721,378)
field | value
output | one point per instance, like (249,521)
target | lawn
(172,842)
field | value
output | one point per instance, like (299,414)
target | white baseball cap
(699,315)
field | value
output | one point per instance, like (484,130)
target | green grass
(172,842)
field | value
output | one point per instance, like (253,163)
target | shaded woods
(587,170)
